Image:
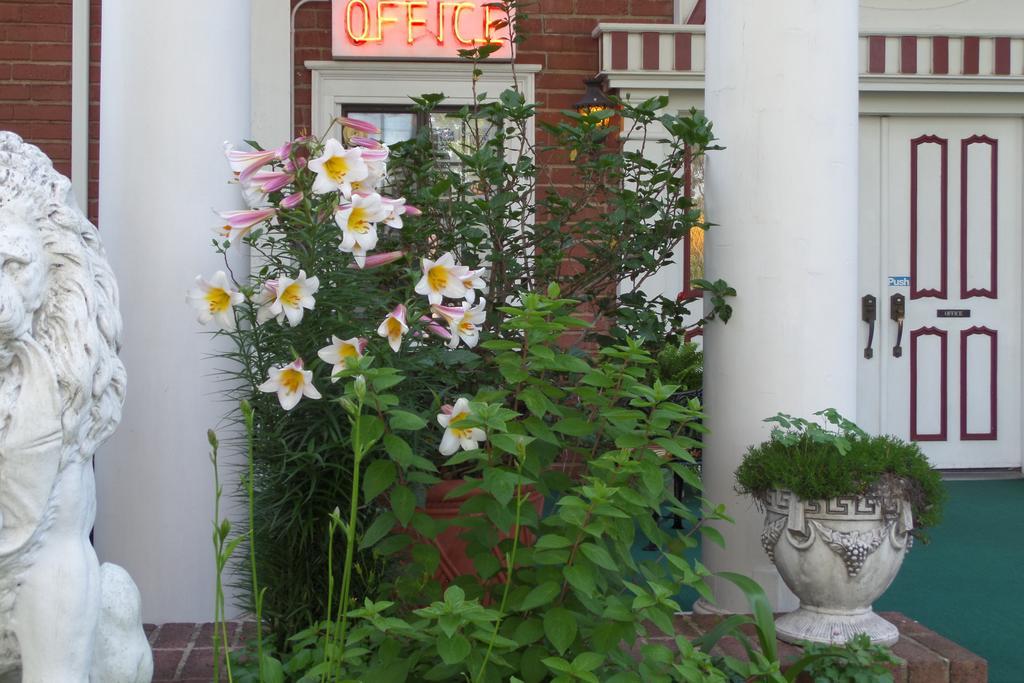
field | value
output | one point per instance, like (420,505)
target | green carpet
(968,582)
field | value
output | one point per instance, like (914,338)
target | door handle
(868,313)
(897,311)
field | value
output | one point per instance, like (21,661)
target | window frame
(346,85)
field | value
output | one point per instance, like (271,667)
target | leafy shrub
(682,364)
(858,661)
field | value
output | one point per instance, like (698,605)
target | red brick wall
(35,80)
(35,75)
(558,40)
(94,110)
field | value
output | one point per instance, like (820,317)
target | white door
(940,227)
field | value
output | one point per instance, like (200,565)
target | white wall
(942,16)
(175,83)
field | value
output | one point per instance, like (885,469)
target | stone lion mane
(79,327)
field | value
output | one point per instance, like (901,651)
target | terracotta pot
(838,556)
(454,560)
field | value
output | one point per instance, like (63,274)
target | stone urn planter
(838,556)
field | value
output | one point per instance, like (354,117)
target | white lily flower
(442,278)
(473,281)
(214,299)
(337,168)
(286,299)
(376,171)
(339,351)
(291,383)
(394,327)
(463,322)
(358,223)
(396,209)
(455,437)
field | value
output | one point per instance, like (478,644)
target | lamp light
(594,100)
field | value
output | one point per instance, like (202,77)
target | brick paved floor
(183,653)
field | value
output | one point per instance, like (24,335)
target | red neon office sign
(417,29)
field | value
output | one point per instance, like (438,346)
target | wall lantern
(594,100)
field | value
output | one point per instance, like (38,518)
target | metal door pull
(868,313)
(897,311)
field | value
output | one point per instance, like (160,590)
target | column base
(702,606)
(830,627)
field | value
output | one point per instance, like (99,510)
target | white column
(175,84)
(782,93)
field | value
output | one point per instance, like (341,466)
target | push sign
(899,280)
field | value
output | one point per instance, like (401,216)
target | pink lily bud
(447,409)
(411,210)
(376,260)
(246,218)
(360,141)
(247,163)
(271,181)
(375,154)
(446,312)
(238,223)
(436,329)
(292,200)
(358,124)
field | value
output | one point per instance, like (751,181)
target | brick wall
(35,80)
(35,75)
(94,110)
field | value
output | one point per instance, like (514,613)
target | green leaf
(401,453)
(598,556)
(764,620)
(560,628)
(392,544)
(404,420)
(713,535)
(574,426)
(631,440)
(272,671)
(540,595)
(500,345)
(552,542)
(500,484)
(536,402)
(379,476)
(378,530)
(558,664)
(581,577)
(465,456)
(512,443)
(371,428)
(529,631)
(587,661)
(453,650)
(403,502)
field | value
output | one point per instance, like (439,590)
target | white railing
(679,48)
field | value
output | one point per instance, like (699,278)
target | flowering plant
(345,265)
(337,274)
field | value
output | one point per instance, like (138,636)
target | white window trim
(343,84)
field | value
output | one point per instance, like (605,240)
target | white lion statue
(63,618)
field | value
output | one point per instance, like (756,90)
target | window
(383,89)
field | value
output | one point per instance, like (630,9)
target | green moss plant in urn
(842,509)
